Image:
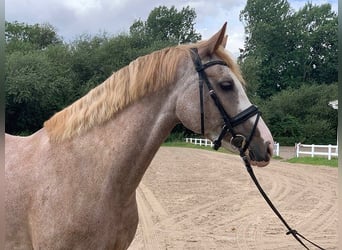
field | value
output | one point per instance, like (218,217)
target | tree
(289,48)
(43,75)
(87,61)
(302,115)
(262,19)
(166,24)
(138,29)
(95,58)
(266,26)
(316,44)
(25,37)
(36,87)
(38,79)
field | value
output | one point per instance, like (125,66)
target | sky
(73,18)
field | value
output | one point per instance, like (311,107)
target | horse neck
(126,144)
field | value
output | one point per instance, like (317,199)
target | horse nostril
(269,149)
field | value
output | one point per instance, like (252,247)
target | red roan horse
(72,184)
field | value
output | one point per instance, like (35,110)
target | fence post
(297,145)
(312,150)
(329,152)
(277,148)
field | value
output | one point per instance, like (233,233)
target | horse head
(213,102)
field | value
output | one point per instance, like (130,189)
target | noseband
(238,141)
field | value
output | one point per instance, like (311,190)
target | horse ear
(218,39)
(224,42)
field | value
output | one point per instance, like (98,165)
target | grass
(315,161)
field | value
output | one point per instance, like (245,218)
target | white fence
(206,143)
(312,149)
(201,142)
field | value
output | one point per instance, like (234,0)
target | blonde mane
(146,74)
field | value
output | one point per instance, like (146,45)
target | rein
(294,232)
(238,141)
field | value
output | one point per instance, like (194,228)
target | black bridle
(238,141)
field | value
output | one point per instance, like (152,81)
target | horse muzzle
(260,156)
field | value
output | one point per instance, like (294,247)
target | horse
(72,184)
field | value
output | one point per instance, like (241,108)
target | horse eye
(227,85)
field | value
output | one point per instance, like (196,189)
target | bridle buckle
(238,141)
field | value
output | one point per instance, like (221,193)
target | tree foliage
(43,74)
(36,86)
(168,24)
(25,37)
(302,115)
(316,44)
(289,62)
(289,48)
